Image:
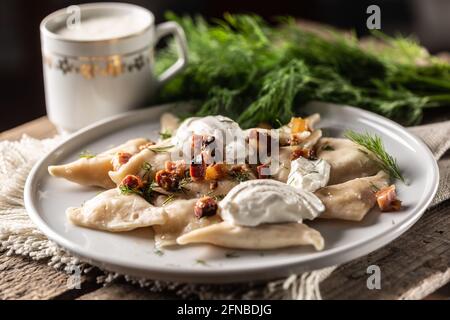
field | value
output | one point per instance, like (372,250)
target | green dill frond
(86,154)
(374,144)
(126,190)
(165,135)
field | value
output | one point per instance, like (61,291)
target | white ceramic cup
(89,79)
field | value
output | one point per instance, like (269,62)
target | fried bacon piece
(260,171)
(120,159)
(177,167)
(167,180)
(387,199)
(205,207)
(132,182)
(302,152)
(197,171)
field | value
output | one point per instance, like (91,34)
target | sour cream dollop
(255,202)
(309,175)
(227,133)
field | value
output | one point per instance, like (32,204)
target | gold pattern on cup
(92,67)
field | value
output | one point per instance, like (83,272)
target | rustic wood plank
(126,291)
(39,128)
(412,267)
(23,278)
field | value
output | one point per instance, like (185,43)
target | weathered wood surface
(413,266)
(39,128)
(23,278)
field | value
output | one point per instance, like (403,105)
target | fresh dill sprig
(86,154)
(165,135)
(124,189)
(374,144)
(183,183)
(161,149)
(146,167)
(148,191)
(239,176)
(169,199)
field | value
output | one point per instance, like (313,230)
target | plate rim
(334,256)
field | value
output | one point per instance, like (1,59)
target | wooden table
(413,266)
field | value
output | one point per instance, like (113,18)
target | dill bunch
(252,72)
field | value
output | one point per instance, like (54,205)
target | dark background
(21,82)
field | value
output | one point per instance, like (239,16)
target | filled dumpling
(113,211)
(347,160)
(180,220)
(267,236)
(93,171)
(351,200)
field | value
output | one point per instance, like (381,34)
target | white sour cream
(228,134)
(255,202)
(309,175)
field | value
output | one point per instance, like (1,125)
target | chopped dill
(327,147)
(202,262)
(124,189)
(86,154)
(232,254)
(165,135)
(239,176)
(169,199)
(161,149)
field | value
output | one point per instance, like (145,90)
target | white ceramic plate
(46,199)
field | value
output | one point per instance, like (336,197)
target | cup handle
(173,28)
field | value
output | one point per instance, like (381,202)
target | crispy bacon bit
(177,167)
(260,170)
(145,146)
(205,207)
(387,199)
(302,152)
(216,171)
(120,159)
(197,171)
(132,182)
(167,180)
(298,124)
(213,185)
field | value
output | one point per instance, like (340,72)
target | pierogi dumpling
(347,159)
(266,236)
(113,211)
(351,200)
(93,171)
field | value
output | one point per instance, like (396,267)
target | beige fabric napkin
(18,235)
